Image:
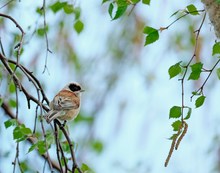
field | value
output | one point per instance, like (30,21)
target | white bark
(213,9)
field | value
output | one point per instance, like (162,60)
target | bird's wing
(64,104)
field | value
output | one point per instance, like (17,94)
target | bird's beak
(82,90)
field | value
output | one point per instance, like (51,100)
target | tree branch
(20,86)
(19,45)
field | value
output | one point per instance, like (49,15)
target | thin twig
(46,37)
(16,116)
(20,44)
(202,86)
(31,77)
(188,64)
(75,165)
(1,45)
(57,145)
(6,4)
(44,133)
(186,13)
(19,85)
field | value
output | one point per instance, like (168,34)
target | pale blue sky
(135,140)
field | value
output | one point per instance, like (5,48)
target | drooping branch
(20,44)
(177,138)
(17,82)
(39,103)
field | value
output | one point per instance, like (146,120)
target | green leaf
(83,118)
(17,133)
(49,139)
(173,136)
(151,38)
(192,9)
(122,2)
(199,101)
(32,147)
(188,113)
(41,147)
(120,11)
(135,1)
(12,66)
(196,71)
(41,32)
(174,70)
(11,122)
(176,125)
(218,73)
(195,93)
(97,146)
(110,9)
(148,30)
(68,9)
(78,26)
(25,130)
(24,166)
(21,132)
(12,88)
(152,35)
(216,48)
(57,6)
(146,2)
(175,112)
(1,101)
(86,168)
(104,1)
(63,161)
(175,13)
(66,147)
(12,103)
(39,11)
(77,12)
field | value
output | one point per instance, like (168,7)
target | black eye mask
(74,87)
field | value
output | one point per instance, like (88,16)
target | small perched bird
(66,104)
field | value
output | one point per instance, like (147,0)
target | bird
(65,105)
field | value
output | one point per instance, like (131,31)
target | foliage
(16,75)
(178,69)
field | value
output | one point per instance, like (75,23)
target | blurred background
(124,125)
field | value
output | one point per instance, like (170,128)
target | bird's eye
(74,87)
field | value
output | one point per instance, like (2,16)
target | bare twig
(200,89)
(32,78)
(1,45)
(19,85)
(6,4)
(75,165)
(46,37)
(57,146)
(20,44)
(186,13)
